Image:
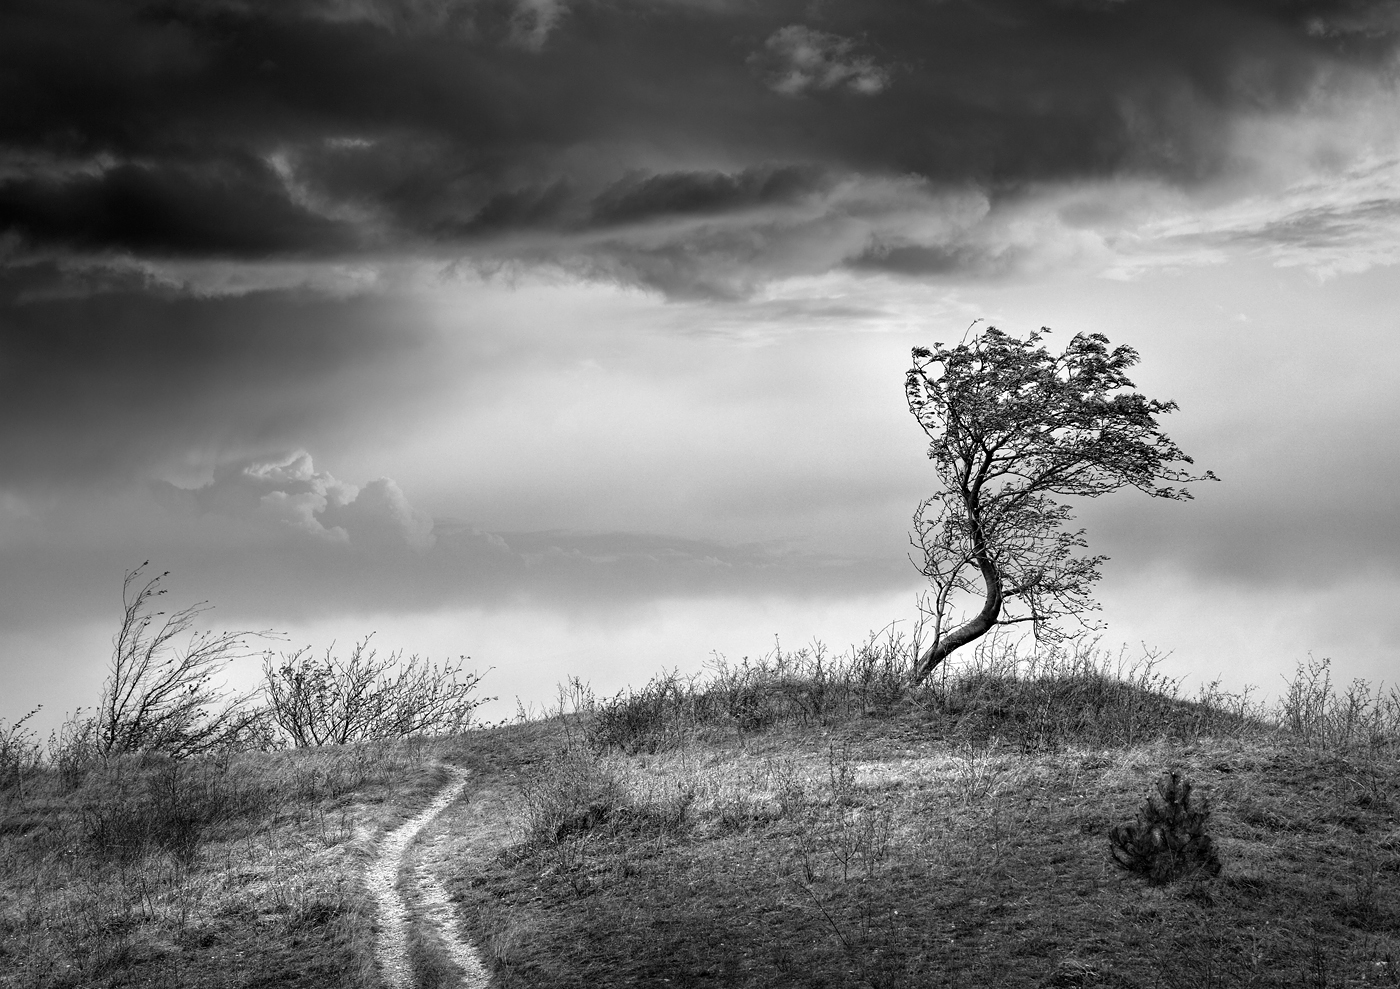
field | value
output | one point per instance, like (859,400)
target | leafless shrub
(656,718)
(140,804)
(1312,712)
(160,696)
(19,754)
(330,701)
(72,748)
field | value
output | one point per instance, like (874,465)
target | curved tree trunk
(980,624)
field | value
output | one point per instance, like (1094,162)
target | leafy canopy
(1012,425)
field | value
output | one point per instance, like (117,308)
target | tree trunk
(979,626)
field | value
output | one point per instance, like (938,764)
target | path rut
(391,946)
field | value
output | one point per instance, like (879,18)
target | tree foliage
(330,701)
(1011,426)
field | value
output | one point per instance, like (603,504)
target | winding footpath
(391,946)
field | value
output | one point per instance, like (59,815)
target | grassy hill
(801,820)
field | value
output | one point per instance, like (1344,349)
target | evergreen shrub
(1169,839)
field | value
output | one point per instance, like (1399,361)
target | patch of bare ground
(384,879)
(440,948)
(419,942)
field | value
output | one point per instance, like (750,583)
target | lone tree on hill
(1012,425)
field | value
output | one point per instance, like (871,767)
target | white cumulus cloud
(288,491)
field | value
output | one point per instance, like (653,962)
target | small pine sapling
(1169,840)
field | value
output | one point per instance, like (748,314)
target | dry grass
(800,819)
(243,870)
(952,836)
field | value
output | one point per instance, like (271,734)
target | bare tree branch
(160,695)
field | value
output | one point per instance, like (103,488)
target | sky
(570,335)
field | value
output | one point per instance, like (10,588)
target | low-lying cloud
(318,543)
(290,494)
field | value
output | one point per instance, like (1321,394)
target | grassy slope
(238,872)
(944,839)
(800,821)
(934,868)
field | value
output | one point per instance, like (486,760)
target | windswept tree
(161,694)
(1012,426)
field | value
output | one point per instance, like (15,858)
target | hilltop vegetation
(800,819)
(804,821)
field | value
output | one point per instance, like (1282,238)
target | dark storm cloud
(915,259)
(231,128)
(542,206)
(645,197)
(227,208)
(108,385)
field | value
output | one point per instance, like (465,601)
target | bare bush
(330,701)
(19,754)
(656,718)
(160,695)
(170,805)
(72,748)
(1312,713)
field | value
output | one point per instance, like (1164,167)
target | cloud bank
(321,543)
(692,147)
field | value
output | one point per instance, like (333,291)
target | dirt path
(391,946)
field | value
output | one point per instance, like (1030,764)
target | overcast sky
(570,335)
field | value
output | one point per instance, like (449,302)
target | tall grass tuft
(572,794)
